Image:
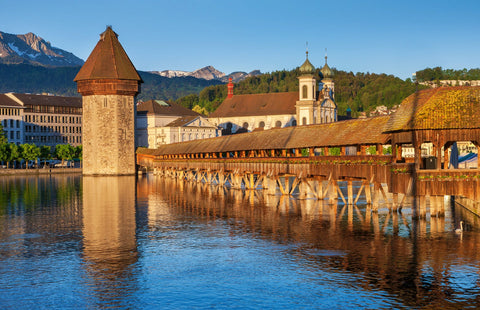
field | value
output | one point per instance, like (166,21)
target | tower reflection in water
(109,242)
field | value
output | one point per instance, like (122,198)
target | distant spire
(325,55)
(306,47)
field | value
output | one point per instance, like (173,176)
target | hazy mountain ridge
(208,73)
(32,49)
(34,79)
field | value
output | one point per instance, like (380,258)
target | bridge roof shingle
(438,108)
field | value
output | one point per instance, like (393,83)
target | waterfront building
(41,119)
(108,83)
(242,113)
(160,122)
(11,118)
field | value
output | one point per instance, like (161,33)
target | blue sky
(393,37)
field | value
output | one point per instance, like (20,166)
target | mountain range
(31,49)
(208,73)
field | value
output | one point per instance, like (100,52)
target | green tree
(45,152)
(64,152)
(30,152)
(79,153)
(3,137)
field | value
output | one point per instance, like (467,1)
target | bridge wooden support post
(236,180)
(350,192)
(433,206)
(441,206)
(368,192)
(249,181)
(376,196)
(333,193)
(419,208)
(395,202)
(270,184)
(209,177)
(304,189)
(423,207)
(221,178)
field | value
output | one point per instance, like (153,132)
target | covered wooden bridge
(312,160)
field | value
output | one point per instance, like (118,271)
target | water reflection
(418,263)
(109,241)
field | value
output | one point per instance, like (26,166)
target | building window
(261,124)
(304,121)
(278,124)
(245,125)
(294,122)
(304,91)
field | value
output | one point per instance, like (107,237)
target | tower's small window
(304,91)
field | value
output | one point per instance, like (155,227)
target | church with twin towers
(314,103)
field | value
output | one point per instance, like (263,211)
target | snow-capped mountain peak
(32,49)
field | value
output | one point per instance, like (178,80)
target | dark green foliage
(3,138)
(159,87)
(23,78)
(437,74)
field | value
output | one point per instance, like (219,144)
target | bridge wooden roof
(352,132)
(438,108)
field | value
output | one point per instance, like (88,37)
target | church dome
(327,73)
(307,67)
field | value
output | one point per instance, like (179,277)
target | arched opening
(304,121)
(245,125)
(261,124)
(278,124)
(304,91)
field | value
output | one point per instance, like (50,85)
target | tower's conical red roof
(108,60)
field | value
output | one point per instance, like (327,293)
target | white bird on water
(459,230)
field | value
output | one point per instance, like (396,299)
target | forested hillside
(360,91)
(438,74)
(24,78)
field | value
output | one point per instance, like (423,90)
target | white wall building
(160,122)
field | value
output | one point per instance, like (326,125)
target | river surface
(154,243)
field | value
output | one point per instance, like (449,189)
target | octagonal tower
(108,83)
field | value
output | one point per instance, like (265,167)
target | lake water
(154,243)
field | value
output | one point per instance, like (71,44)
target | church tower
(307,89)
(328,108)
(108,83)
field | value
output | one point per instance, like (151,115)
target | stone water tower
(108,83)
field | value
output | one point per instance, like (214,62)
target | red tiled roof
(159,107)
(108,60)
(258,104)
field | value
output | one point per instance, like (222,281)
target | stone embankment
(41,171)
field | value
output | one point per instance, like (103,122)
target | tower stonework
(108,83)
